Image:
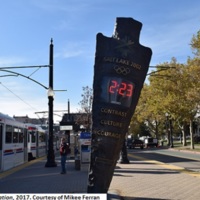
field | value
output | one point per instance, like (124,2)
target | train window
(16,135)
(21,135)
(8,134)
(41,137)
(33,136)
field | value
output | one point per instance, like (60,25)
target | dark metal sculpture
(121,65)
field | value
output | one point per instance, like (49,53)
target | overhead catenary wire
(37,112)
(20,98)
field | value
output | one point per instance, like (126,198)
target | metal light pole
(171,133)
(167,128)
(50,155)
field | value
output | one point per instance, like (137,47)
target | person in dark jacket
(64,150)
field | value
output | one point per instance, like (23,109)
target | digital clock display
(117,90)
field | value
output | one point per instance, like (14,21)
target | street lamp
(50,93)
(50,155)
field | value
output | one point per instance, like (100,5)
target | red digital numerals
(122,88)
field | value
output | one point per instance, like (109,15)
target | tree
(146,111)
(173,88)
(195,44)
(154,98)
(85,119)
(138,129)
(193,94)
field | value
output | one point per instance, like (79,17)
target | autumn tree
(195,44)
(85,118)
(168,92)
(173,88)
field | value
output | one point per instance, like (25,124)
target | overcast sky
(27,27)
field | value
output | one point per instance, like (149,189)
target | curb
(113,195)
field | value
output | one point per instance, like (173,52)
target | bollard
(77,163)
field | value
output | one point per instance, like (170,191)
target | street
(186,160)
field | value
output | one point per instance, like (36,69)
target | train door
(41,142)
(18,145)
(8,151)
(25,145)
(32,135)
(37,143)
(1,145)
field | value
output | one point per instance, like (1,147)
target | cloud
(12,105)
(70,6)
(68,53)
(11,60)
(21,100)
(170,40)
(72,49)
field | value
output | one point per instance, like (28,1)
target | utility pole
(50,155)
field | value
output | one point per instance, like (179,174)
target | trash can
(85,153)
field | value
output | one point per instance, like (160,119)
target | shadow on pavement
(164,158)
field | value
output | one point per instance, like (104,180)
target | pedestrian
(64,150)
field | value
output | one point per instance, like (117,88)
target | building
(26,119)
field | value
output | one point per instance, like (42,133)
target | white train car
(13,143)
(20,143)
(37,141)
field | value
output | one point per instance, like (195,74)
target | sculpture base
(51,164)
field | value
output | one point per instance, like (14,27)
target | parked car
(151,142)
(196,139)
(135,143)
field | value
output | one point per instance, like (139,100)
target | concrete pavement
(33,177)
(140,180)
(150,179)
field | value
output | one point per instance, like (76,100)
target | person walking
(64,150)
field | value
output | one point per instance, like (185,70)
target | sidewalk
(34,177)
(140,180)
(144,179)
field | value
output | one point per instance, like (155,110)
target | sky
(27,27)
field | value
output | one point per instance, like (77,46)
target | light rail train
(20,143)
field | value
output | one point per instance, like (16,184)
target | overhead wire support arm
(17,67)
(6,69)
(162,68)
(34,71)
(7,75)
(18,74)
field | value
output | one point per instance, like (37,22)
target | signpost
(121,65)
